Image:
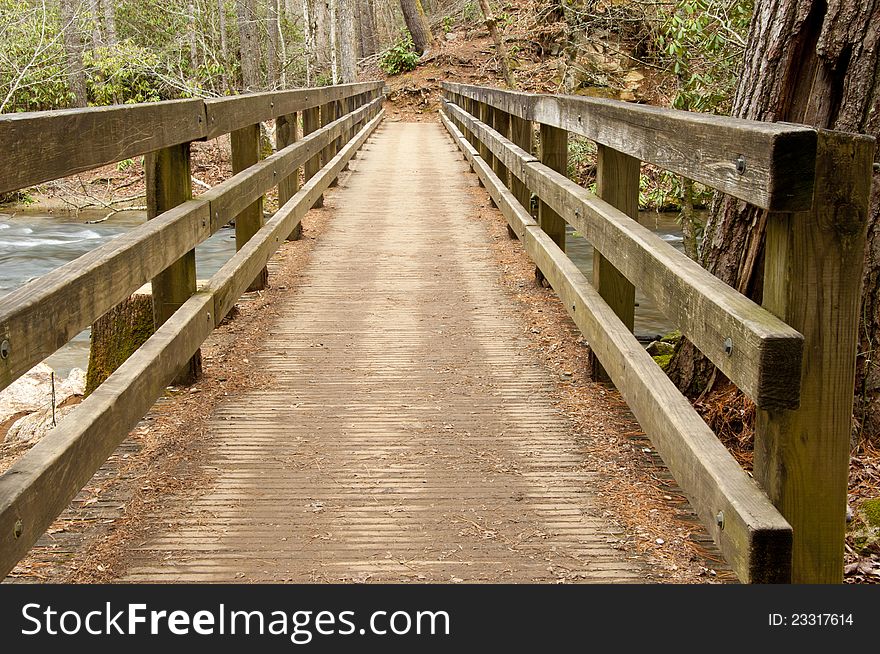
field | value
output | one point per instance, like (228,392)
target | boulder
(26,404)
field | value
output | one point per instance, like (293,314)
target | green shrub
(399,58)
(124,74)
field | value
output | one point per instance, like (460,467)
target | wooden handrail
(754,348)
(711,477)
(41,316)
(41,146)
(42,482)
(770,165)
(816,186)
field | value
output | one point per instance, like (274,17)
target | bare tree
(347,34)
(250,45)
(273,42)
(417,24)
(334,42)
(110,22)
(500,48)
(191,34)
(93,15)
(367,21)
(73,49)
(321,34)
(224,44)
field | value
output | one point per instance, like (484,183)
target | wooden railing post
(501,124)
(617,182)
(311,123)
(328,115)
(521,133)
(554,154)
(812,280)
(168,184)
(286,134)
(245,153)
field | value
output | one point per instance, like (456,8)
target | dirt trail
(409,432)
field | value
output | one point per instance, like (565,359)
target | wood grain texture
(41,146)
(246,153)
(286,133)
(225,115)
(765,355)
(169,184)
(813,277)
(41,316)
(311,123)
(44,480)
(617,183)
(45,145)
(754,538)
(777,160)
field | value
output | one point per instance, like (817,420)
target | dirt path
(409,432)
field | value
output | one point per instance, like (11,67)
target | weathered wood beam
(754,538)
(771,165)
(755,349)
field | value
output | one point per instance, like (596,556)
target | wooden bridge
(397,365)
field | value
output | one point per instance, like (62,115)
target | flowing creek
(34,243)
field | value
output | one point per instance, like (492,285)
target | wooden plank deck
(409,434)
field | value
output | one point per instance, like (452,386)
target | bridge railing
(794,356)
(44,314)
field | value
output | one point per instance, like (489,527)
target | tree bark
(321,34)
(73,49)
(417,24)
(94,15)
(224,48)
(347,51)
(250,46)
(500,48)
(273,42)
(309,40)
(110,22)
(334,41)
(818,63)
(367,19)
(191,34)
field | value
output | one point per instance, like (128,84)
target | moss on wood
(116,335)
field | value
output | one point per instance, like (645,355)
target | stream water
(32,244)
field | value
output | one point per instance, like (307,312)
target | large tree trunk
(273,43)
(95,21)
(250,46)
(321,34)
(110,22)
(73,50)
(807,61)
(367,19)
(334,41)
(417,24)
(347,51)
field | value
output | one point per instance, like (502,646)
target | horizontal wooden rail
(227,114)
(42,482)
(770,165)
(755,349)
(45,313)
(41,146)
(753,536)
